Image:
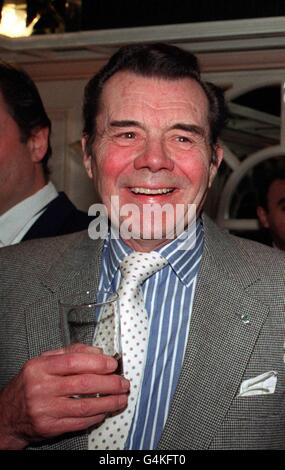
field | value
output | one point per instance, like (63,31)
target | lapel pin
(245,318)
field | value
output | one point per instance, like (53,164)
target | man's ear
(216,160)
(38,144)
(87,159)
(262,216)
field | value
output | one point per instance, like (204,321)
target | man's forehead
(129,83)
(126,95)
(277,187)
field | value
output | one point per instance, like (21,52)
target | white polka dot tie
(135,269)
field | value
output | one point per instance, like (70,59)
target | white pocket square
(263,384)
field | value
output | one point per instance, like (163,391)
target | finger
(88,407)
(80,363)
(84,348)
(78,347)
(53,352)
(91,384)
(78,424)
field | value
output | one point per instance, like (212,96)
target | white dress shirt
(15,223)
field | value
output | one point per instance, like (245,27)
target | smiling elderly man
(202,327)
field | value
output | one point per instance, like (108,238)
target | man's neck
(7,204)
(146,246)
(278,244)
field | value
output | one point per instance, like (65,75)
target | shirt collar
(16,218)
(184,252)
(114,251)
(183,258)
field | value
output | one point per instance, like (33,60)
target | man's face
(274,217)
(152,145)
(17,171)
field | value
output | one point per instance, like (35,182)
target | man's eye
(183,139)
(127,135)
(126,138)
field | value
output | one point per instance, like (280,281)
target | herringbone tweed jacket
(237,332)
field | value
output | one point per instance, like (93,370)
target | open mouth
(152,192)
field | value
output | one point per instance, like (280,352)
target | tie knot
(139,266)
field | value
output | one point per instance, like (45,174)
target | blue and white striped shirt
(168,296)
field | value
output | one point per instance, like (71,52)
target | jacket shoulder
(36,254)
(242,257)
(61,217)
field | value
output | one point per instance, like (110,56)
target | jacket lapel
(220,343)
(74,273)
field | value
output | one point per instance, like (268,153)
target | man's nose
(154,157)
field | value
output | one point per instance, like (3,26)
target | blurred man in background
(30,206)
(270,186)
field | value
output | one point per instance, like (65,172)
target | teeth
(151,191)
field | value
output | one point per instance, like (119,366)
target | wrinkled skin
(39,404)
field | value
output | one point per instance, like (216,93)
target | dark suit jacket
(236,333)
(60,218)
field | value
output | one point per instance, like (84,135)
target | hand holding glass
(96,324)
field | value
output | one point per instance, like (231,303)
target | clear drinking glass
(92,323)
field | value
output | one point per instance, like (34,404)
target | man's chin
(148,233)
